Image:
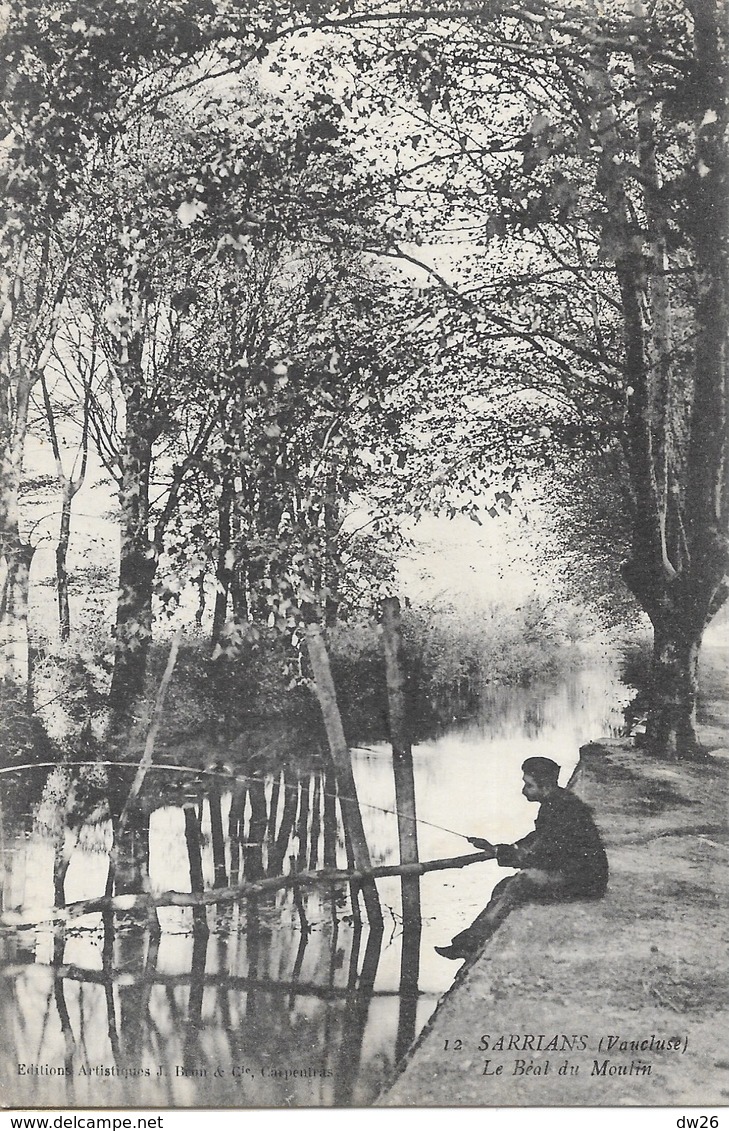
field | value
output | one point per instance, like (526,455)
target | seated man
(563,858)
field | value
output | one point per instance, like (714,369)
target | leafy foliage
(337,265)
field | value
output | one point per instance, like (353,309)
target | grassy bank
(649,959)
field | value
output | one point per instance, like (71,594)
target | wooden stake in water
(402,751)
(351,813)
(402,764)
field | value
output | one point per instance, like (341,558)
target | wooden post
(256,828)
(330,820)
(402,762)
(315,822)
(302,824)
(351,814)
(235,827)
(402,751)
(277,851)
(273,810)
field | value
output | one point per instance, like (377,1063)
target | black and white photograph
(364,555)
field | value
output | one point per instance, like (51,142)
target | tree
(584,151)
(74,83)
(70,483)
(34,285)
(310,430)
(65,75)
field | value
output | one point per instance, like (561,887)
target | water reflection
(285,998)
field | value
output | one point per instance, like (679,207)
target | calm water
(285,999)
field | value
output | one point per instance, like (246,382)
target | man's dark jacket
(565,840)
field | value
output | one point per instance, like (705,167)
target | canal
(285,998)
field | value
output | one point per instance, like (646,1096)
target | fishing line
(229,775)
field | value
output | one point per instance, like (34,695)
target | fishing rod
(229,775)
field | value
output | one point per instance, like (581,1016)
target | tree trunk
(70,486)
(671,726)
(137,561)
(133,631)
(224,571)
(129,851)
(256,827)
(676,422)
(691,599)
(64,535)
(16,555)
(679,609)
(330,573)
(277,851)
(14,649)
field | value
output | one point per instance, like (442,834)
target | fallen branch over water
(144,902)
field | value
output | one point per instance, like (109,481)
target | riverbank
(620,1002)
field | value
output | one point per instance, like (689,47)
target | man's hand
(483,845)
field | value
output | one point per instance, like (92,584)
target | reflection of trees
(195,866)
(147,1016)
(358,1003)
(65,1019)
(262,1005)
(253,995)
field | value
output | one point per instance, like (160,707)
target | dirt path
(624,1001)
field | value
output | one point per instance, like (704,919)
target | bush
(451,659)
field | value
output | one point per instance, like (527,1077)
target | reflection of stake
(107,965)
(197,992)
(299,902)
(351,814)
(216,834)
(62,1008)
(355,1023)
(194,856)
(299,961)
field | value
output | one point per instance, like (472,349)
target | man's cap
(543,770)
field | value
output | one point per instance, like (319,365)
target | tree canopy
(334,260)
